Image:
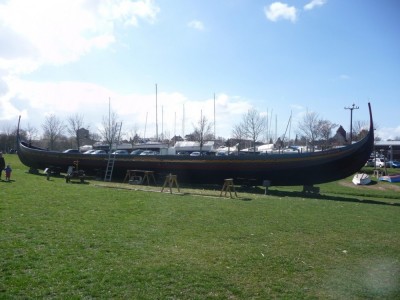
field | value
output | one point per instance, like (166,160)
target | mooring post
(266,184)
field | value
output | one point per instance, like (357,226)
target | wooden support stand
(146,176)
(127,176)
(228,187)
(310,189)
(170,180)
(378,173)
(78,175)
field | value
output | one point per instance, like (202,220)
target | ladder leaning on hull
(111,157)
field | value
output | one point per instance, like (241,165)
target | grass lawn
(112,240)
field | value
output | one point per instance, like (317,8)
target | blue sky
(65,57)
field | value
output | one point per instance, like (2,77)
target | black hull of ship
(280,169)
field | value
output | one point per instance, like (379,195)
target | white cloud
(195,24)
(34,100)
(279,10)
(344,77)
(314,3)
(128,11)
(59,32)
(62,32)
(388,133)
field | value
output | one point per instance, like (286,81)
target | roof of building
(387,143)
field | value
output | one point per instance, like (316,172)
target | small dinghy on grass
(361,179)
(390,178)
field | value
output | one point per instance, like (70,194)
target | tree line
(253,128)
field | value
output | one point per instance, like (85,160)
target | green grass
(63,240)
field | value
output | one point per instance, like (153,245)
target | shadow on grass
(7,181)
(77,182)
(373,182)
(257,190)
(299,194)
(328,197)
(73,180)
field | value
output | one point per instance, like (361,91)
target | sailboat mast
(270,127)
(145,126)
(156,115)
(183,122)
(290,127)
(110,129)
(214,120)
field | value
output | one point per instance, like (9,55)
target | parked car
(89,151)
(370,163)
(136,152)
(71,151)
(96,152)
(196,153)
(221,153)
(182,153)
(379,162)
(394,164)
(120,152)
(149,152)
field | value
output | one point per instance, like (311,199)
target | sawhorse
(228,187)
(170,180)
(146,176)
(378,173)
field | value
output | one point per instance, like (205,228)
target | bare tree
(110,129)
(75,123)
(253,124)
(53,129)
(202,131)
(238,134)
(133,135)
(360,129)
(325,131)
(31,132)
(94,136)
(309,127)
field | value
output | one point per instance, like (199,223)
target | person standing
(2,163)
(8,173)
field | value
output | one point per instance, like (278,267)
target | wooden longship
(280,169)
